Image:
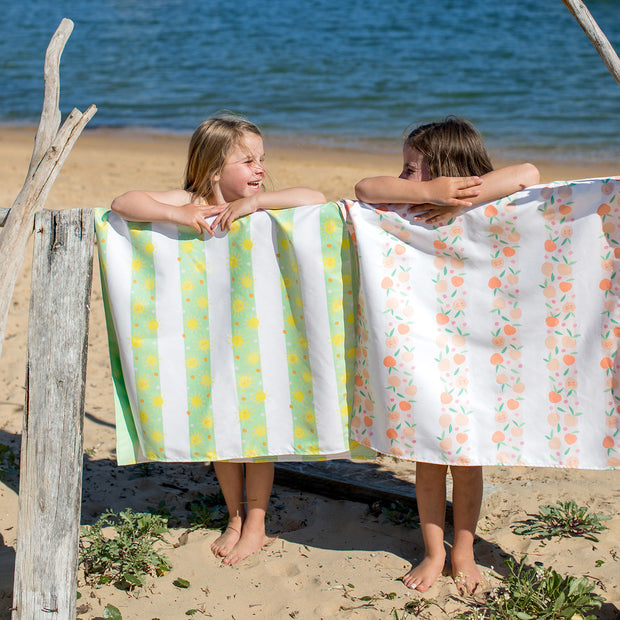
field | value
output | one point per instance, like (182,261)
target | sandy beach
(327,558)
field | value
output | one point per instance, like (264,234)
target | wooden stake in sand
(51,149)
(51,454)
(50,481)
(606,51)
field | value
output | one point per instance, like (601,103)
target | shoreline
(112,161)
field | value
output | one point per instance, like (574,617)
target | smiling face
(415,167)
(243,172)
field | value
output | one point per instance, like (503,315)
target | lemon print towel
(238,346)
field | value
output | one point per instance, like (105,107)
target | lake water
(353,71)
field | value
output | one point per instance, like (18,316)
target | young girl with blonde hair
(224,174)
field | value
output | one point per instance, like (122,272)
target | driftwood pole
(51,149)
(50,484)
(593,31)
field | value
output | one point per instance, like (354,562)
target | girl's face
(243,172)
(414,165)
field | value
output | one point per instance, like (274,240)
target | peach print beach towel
(299,335)
(494,339)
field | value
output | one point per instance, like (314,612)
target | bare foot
(251,540)
(465,573)
(223,545)
(422,576)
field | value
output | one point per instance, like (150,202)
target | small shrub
(9,463)
(562,520)
(536,593)
(165,512)
(397,513)
(127,557)
(208,511)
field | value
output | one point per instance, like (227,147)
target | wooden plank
(52,443)
(340,480)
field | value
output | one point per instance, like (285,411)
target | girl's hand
(195,215)
(454,191)
(234,210)
(434,214)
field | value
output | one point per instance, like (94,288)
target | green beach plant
(562,520)
(127,557)
(535,593)
(208,511)
(416,609)
(9,463)
(112,613)
(165,512)
(397,513)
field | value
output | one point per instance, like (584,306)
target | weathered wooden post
(50,486)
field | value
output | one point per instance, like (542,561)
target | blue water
(350,71)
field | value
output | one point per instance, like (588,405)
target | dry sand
(326,554)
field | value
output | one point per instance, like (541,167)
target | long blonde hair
(452,148)
(209,146)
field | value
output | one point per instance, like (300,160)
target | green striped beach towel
(239,346)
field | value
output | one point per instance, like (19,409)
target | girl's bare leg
(466,502)
(230,477)
(258,482)
(430,489)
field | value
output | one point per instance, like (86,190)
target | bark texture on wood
(50,114)
(593,31)
(52,147)
(51,456)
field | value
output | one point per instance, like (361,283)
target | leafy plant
(181,583)
(563,520)
(126,558)
(163,511)
(208,511)
(9,463)
(398,513)
(414,608)
(112,613)
(536,593)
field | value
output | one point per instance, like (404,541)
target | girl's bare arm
(444,191)
(495,185)
(281,199)
(174,206)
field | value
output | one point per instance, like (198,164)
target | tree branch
(51,149)
(593,31)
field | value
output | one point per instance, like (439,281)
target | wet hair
(209,146)
(452,148)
